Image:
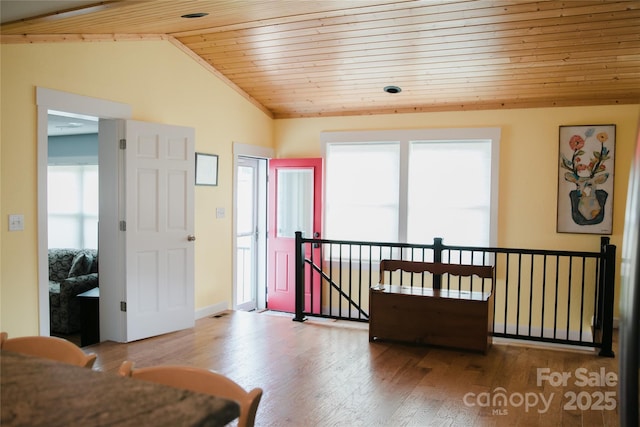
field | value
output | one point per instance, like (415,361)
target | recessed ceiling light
(194,15)
(392,89)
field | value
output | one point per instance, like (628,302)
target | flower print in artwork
(585,180)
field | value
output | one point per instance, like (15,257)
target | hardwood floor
(326,373)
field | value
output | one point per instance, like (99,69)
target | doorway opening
(250,227)
(55,107)
(73,212)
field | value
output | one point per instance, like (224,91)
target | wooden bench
(459,319)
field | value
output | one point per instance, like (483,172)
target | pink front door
(295,204)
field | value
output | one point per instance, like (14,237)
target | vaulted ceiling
(297,58)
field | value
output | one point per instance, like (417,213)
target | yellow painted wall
(162,84)
(528,162)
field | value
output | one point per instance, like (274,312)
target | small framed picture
(206,169)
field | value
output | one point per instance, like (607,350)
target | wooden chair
(201,381)
(53,348)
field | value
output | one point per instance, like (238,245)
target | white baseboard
(211,310)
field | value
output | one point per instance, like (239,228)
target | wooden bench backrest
(436,268)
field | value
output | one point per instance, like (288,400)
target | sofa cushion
(60,261)
(81,264)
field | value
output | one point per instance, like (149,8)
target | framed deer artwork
(585,179)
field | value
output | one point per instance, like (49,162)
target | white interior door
(159,212)
(146,229)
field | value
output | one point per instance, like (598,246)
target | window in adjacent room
(73,206)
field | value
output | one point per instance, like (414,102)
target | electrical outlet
(16,222)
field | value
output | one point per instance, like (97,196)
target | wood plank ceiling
(326,58)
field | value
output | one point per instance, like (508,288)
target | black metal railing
(562,297)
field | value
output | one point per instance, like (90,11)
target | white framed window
(449,192)
(412,185)
(73,206)
(362,180)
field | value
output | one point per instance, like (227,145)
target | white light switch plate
(16,222)
(219,212)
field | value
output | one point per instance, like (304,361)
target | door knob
(191,237)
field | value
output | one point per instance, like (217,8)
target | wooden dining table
(40,392)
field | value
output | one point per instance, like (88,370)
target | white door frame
(49,99)
(246,150)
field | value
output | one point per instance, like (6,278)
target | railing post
(607,302)
(437,257)
(597,322)
(299,266)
